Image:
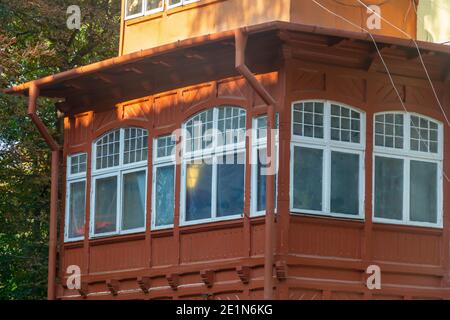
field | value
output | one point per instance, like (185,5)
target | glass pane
(174,2)
(164,195)
(344,183)
(154,4)
(105,205)
(388,188)
(134,7)
(77,207)
(308,165)
(133,209)
(261,181)
(230,185)
(198,191)
(423,188)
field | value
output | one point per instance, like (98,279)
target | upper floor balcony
(151,23)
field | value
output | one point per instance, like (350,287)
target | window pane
(308,119)
(308,165)
(198,191)
(344,183)
(135,145)
(423,188)
(154,4)
(345,124)
(77,207)
(134,7)
(388,188)
(133,209)
(164,195)
(174,2)
(230,185)
(261,181)
(78,163)
(389,130)
(199,131)
(107,150)
(424,135)
(105,205)
(231,125)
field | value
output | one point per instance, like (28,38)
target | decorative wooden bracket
(243,273)
(174,280)
(281,270)
(84,290)
(208,277)
(113,286)
(144,283)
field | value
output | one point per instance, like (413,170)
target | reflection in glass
(423,188)
(77,208)
(134,7)
(198,191)
(133,210)
(105,205)
(261,181)
(308,164)
(388,188)
(344,183)
(164,195)
(230,186)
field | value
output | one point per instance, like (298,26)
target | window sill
(202,225)
(357,222)
(326,215)
(98,240)
(400,225)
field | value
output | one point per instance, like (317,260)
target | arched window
(213,168)
(327,159)
(407,169)
(119,182)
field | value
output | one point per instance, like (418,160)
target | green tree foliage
(34,42)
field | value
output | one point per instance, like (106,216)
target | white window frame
(408,155)
(212,153)
(182,3)
(118,171)
(328,146)
(161,162)
(257,146)
(73,178)
(140,14)
(155,10)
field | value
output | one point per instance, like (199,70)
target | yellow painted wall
(203,17)
(433,21)
(212,16)
(400,13)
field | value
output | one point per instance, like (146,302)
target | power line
(384,63)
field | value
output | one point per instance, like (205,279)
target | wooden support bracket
(281,270)
(113,286)
(144,283)
(174,280)
(243,273)
(84,290)
(208,277)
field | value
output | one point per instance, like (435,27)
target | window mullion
(214,188)
(326,180)
(119,202)
(406,190)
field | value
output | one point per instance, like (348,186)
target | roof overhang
(210,57)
